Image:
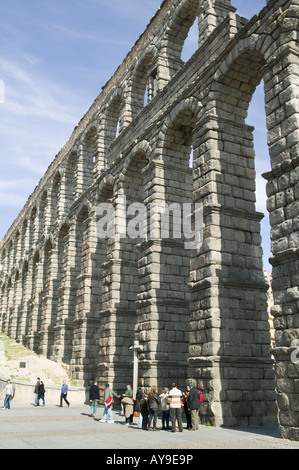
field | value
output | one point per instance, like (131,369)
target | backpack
(200,396)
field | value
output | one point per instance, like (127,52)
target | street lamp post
(136,349)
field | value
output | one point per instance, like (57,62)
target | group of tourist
(39,394)
(147,406)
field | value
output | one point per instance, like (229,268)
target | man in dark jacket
(193,405)
(94,396)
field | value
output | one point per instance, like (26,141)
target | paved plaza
(52,427)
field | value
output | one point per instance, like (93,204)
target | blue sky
(54,59)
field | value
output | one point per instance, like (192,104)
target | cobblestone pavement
(52,427)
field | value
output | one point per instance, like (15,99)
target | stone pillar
(229,329)
(35,303)
(163,272)
(49,303)
(118,310)
(210,15)
(86,324)
(66,297)
(16,306)
(281,85)
(26,295)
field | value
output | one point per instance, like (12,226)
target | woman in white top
(165,408)
(8,391)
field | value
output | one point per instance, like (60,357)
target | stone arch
(178,130)
(176,33)
(90,151)
(49,295)
(113,118)
(144,79)
(236,83)
(107,189)
(142,148)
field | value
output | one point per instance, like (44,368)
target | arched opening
(178,31)
(144,84)
(113,121)
(190,43)
(89,157)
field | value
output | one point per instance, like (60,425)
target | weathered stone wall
(202,313)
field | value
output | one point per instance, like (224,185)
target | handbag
(109,401)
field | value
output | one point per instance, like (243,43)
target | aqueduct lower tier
(196,313)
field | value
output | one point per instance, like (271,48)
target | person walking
(36,399)
(94,396)
(8,392)
(165,408)
(194,405)
(153,406)
(175,408)
(63,394)
(41,393)
(108,400)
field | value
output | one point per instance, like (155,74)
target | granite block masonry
(198,313)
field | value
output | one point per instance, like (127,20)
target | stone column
(281,85)
(229,329)
(16,306)
(210,15)
(35,303)
(66,297)
(163,272)
(86,324)
(49,302)
(118,311)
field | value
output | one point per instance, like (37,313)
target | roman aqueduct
(83,300)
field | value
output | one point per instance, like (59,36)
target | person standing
(128,394)
(41,393)
(36,388)
(175,408)
(153,406)
(137,405)
(94,396)
(108,400)
(165,408)
(144,411)
(194,406)
(8,392)
(186,406)
(63,394)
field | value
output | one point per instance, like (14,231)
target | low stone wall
(24,393)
